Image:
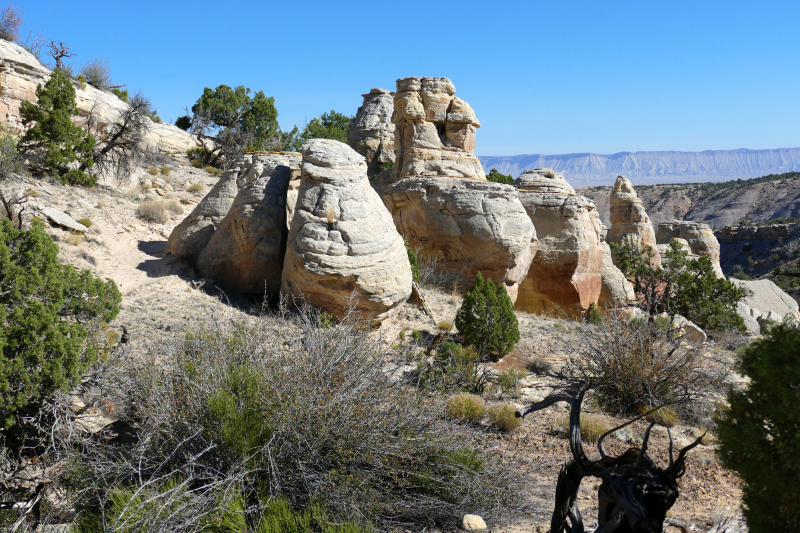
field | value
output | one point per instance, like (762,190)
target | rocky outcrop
(245,253)
(435,131)
(629,221)
(21,72)
(474,226)
(616,290)
(698,236)
(735,234)
(342,239)
(191,236)
(566,273)
(371,132)
(767,302)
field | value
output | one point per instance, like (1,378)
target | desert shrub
(213,171)
(454,367)
(75,238)
(197,153)
(503,417)
(184,123)
(496,177)
(388,165)
(593,315)
(174,208)
(153,171)
(316,422)
(86,222)
(665,416)
(165,171)
(416,336)
(432,272)
(52,142)
(97,73)
(638,365)
(486,319)
(10,21)
(197,164)
(153,211)
(9,155)
(758,433)
(539,365)
(466,408)
(82,81)
(592,427)
(412,259)
(508,380)
(444,325)
(195,188)
(122,94)
(45,310)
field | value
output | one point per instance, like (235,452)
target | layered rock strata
(473,226)
(371,132)
(192,235)
(566,273)
(342,240)
(629,221)
(434,131)
(245,253)
(698,236)
(21,72)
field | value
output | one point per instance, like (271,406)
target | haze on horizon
(542,77)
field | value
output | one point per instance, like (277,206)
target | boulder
(766,303)
(21,72)
(371,132)
(434,131)
(472,522)
(699,238)
(629,221)
(60,218)
(342,240)
(566,273)
(245,253)
(689,330)
(474,226)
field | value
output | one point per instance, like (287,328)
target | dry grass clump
(86,222)
(75,238)
(197,164)
(592,427)
(665,416)
(503,417)
(175,208)
(539,365)
(165,171)
(465,407)
(153,211)
(195,188)
(508,380)
(213,171)
(445,325)
(153,171)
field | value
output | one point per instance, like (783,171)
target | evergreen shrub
(486,319)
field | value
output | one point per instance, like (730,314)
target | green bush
(412,259)
(213,171)
(86,222)
(454,367)
(486,319)
(496,177)
(45,307)
(165,171)
(52,142)
(184,123)
(593,315)
(758,434)
(508,381)
(122,94)
(504,418)
(466,408)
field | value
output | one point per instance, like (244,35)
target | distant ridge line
(650,167)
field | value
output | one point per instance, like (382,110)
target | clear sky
(543,77)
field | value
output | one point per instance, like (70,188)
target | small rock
(147,184)
(473,522)
(161,192)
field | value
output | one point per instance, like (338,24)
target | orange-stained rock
(566,273)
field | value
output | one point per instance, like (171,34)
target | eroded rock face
(566,273)
(699,238)
(245,253)
(371,132)
(616,291)
(767,302)
(192,235)
(342,238)
(629,221)
(21,72)
(435,131)
(475,226)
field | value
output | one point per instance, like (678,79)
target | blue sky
(543,77)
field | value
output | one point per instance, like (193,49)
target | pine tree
(44,310)
(486,319)
(52,141)
(759,435)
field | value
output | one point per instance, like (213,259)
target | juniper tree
(486,319)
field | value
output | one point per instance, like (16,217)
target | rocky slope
(585,170)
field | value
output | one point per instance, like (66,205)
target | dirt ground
(159,299)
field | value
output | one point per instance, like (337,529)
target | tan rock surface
(342,239)
(371,132)
(566,273)
(21,72)
(245,253)
(617,290)
(698,236)
(435,131)
(475,226)
(629,221)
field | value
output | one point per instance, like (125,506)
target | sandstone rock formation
(566,273)
(191,236)
(767,302)
(616,289)
(371,132)
(342,238)
(474,226)
(629,221)
(245,253)
(435,131)
(698,236)
(21,72)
